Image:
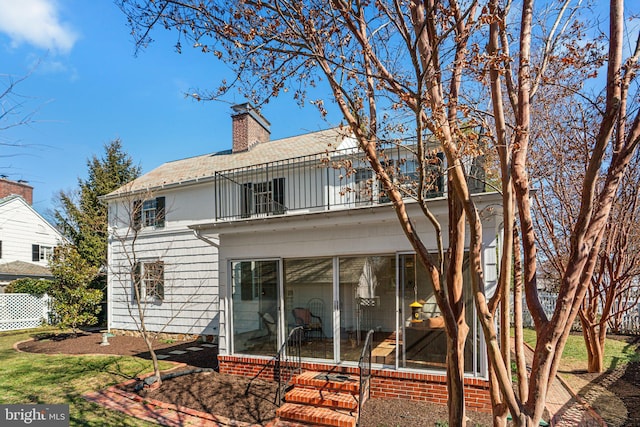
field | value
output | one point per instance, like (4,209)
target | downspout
(196,233)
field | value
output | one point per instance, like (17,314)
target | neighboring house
(26,238)
(249,243)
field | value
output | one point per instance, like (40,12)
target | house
(26,238)
(246,244)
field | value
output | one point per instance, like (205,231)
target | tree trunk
(455,283)
(593,344)
(148,340)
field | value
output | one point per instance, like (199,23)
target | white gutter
(196,233)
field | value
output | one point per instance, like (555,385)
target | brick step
(316,416)
(328,382)
(315,397)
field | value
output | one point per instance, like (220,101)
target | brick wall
(8,187)
(384,382)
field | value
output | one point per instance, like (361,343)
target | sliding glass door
(254,291)
(367,302)
(308,302)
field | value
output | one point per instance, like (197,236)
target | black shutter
(246,200)
(35,253)
(0,249)
(160,211)
(137,280)
(278,196)
(137,214)
(159,291)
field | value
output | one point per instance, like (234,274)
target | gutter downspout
(196,233)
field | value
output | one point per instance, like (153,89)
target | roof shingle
(205,166)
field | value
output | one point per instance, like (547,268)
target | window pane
(367,302)
(308,285)
(254,290)
(424,337)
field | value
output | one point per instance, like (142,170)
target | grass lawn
(41,379)
(574,356)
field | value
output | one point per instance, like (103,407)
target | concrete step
(328,382)
(315,397)
(315,415)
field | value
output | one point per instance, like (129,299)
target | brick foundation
(385,383)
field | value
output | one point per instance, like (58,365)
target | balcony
(327,181)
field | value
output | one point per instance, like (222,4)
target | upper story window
(41,253)
(149,213)
(263,198)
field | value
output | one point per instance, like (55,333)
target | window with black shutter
(149,213)
(35,253)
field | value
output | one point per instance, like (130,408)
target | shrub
(74,303)
(28,285)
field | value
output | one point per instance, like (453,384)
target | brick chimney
(249,127)
(20,188)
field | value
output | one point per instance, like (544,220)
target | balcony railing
(327,181)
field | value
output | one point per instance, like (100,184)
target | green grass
(574,356)
(29,378)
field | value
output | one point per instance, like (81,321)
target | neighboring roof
(20,199)
(21,268)
(9,198)
(200,168)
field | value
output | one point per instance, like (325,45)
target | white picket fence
(23,311)
(630,324)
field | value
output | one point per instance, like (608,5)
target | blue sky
(87,88)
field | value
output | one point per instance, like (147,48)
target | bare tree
(13,111)
(140,280)
(421,64)
(611,293)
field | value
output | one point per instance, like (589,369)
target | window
(263,198)
(149,280)
(41,253)
(364,186)
(149,213)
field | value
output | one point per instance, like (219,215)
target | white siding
(20,228)
(191,302)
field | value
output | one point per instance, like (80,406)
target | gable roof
(19,199)
(203,168)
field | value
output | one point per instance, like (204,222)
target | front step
(322,399)
(316,415)
(329,399)
(329,382)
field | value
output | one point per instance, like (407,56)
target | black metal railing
(288,361)
(364,367)
(286,364)
(341,179)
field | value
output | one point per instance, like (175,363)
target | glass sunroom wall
(367,302)
(424,337)
(308,302)
(254,290)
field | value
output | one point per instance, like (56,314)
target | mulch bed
(89,343)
